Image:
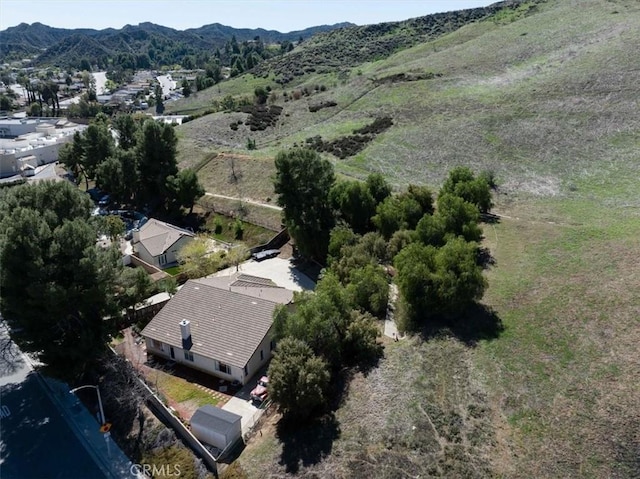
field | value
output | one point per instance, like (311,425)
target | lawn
(173,271)
(178,389)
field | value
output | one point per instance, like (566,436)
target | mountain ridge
(48,43)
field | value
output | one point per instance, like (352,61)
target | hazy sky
(281,15)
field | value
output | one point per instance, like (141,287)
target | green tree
(353,202)
(127,130)
(361,340)
(431,230)
(368,290)
(113,226)
(438,281)
(159,97)
(303,181)
(186,88)
(97,145)
(71,155)
(58,288)
(370,249)
(109,177)
(298,380)
(118,175)
(462,182)
(134,287)
(459,217)
(197,259)
(261,95)
(340,237)
(156,155)
(185,188)
(378,187)
(320,319)
(35,109)
(6,104)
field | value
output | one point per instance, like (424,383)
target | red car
(259,393)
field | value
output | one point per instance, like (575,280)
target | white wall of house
(144,254)
(207,365)
(169,258)
(261,356)
(171,255)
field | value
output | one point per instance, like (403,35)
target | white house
(219,325)
(158,243)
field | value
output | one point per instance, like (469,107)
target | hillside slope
(538,98)
(545,96)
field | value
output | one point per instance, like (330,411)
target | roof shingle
(227,324)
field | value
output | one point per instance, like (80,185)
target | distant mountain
(162,45)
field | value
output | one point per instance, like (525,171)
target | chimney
(136,235)
(185,331)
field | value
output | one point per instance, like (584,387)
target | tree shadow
(304,446)
(478,322)
(489,218)
(485,259)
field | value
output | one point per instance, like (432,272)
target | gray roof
(214,418)
(226,325)
(253,286)
(158,236)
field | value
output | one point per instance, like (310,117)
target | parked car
(261,255)
(260,392)
(104,200)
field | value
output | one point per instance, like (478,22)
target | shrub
(238,229)
(217,228)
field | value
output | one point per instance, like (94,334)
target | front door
(173,354)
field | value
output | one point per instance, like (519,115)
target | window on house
(188,355)
(223,368)
(163,259)
(246,371)
(157,344)
(261,355)
(272,345)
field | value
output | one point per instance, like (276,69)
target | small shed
(216,426)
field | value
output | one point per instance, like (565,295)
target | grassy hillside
(546,97)
(545,101)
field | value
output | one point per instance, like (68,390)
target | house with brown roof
(158,243)
(220,325)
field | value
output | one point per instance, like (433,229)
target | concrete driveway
(242,405)
(281,271)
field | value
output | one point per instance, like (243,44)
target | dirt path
(245,200)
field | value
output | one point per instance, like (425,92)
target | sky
(281,15)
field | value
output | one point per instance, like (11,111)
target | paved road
(101,82)
(46,432)
(245,200)
(167,84)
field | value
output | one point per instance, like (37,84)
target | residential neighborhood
(247,240)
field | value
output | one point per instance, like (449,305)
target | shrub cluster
(351,145)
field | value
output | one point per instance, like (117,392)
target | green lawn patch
(179,390)
(173,271)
